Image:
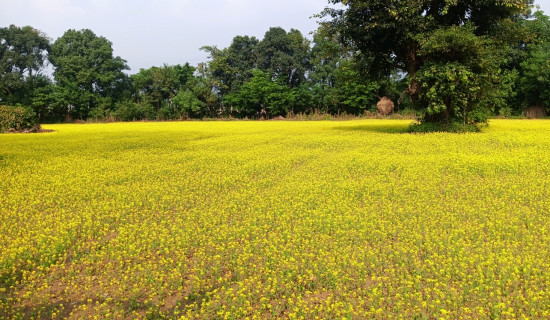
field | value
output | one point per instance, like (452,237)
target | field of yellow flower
(260,220)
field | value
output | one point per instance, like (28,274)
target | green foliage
(451,51)
(354,93)
(454,61)
(158,88)
(338,85)
(188,103)
(233,66)
(130,111)
(16,118)
(458,77)
(261,96)
(86,70)
(447,92)
(388,32)
(535,80)
(23,53)
(284,56)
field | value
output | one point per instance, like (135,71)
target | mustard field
(275,219)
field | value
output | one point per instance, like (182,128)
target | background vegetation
(451,61)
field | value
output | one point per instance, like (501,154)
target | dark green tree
(262,96)
(326,55)
(154,90)
(388,33)
(459,78)
(23,55)
(88,73)
(284,56)
(233,65)
(402,35)
(535,77)
(534,69)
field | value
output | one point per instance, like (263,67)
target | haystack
(535,112)
(385,106)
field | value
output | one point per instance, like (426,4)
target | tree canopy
(457,45)
(23,54)
(86,71)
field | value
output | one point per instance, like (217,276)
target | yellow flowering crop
(260,220)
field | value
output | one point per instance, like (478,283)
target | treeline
(285,73)
(280,74)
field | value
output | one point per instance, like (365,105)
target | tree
(157,87)
(233,65)
(188,102)
(338,86)
(402,35)
(535,79)
(87,71)
(261,96)
(284,55)
(534,69)
(459,76)
(23,54)
(388,32)
(280,61)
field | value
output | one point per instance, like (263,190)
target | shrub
(17,118)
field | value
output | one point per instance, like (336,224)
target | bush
(17,118)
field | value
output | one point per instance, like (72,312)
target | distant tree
(23,54)
(326,55)
(535,77)
(233,65)
(86,70)
(354,94)
(261,96)
(158,87)
(337,84)
(280,61)
(188,102)
(534,69)
(284,55)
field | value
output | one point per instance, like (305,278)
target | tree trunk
(8,90)
(411,66)
(411,59)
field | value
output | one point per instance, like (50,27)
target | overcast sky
(149,33)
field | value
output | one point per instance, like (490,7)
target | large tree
(23,54)
(434,36)
(336,84)
(284,55)
(389,33)
(86,71)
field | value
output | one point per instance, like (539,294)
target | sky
(150,33)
